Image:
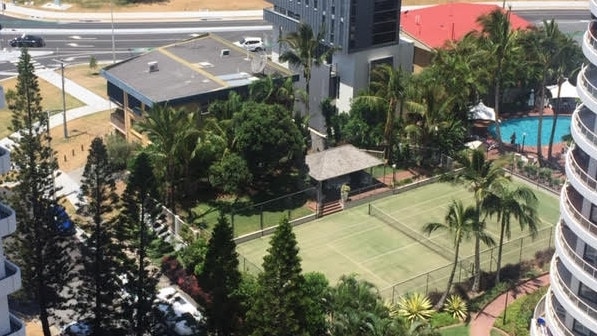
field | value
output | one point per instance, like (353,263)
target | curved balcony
(579,224)
(12,281)
(17,328)
(574,305)
(589,44)
(583,135)
(583,182)
(554,324)
(8,221)
(4,160)
(593,6)
(587,91)
(536,329)
(582,270)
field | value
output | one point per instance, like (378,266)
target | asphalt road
(76,42)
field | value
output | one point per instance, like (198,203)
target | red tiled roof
(435,25)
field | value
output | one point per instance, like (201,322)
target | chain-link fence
(513,252)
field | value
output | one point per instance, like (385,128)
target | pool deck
(558,150)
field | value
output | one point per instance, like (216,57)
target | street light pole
(63,102)
(112,23)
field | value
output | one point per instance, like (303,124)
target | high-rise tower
(570,306)
(10,274)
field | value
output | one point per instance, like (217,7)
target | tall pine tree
(221,278)
(279,307)
(140,210)
(43,254)
(100,293)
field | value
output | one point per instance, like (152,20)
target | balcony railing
(580,219)
(536,329)
(580,304)
(117,120)
(17,326)
(12,280)
(584,130)
(587,179)
(8,221)
(4,160)
(579,260)
(590,35)
(586,83)
(555,319)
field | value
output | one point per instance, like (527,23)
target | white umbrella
(473,144)
(481,112)
(568,90)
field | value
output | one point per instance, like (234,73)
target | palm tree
(273,91)
(387,88)
(509,203)
(501,44)
(168,130)
(459,221)
(305,51)
(483,175)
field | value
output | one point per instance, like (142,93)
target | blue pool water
(528,126)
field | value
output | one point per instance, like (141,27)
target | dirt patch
(72,152)
(170,6)
(33,328)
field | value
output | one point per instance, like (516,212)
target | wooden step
(330,208)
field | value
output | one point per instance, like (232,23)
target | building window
(594,213)
(581,330)
(587,294)
(307,3)
(315,4)
(332,29)
(590,255)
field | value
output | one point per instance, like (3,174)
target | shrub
(544,257)
(173,270)
(520,313)
(120,151)
(456,307)
(442,319)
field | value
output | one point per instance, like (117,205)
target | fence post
(551,234)
(427,284)
(491,260)
(261,219)
(393,292)
(369,209)
(520,255)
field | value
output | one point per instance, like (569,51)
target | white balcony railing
(8,220)
(580,219)
(17,326)
(590,269)
(585,80)
(570,295)
(556,325)
(579,172)
(12,280)
(584,130)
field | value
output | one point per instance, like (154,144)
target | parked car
(177,313)
(78,328)
(251,43)
(64,225)
(28,41)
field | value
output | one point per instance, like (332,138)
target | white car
(251,43)
(177,312)
(80,328)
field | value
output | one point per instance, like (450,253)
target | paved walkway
(483,321)
(51,12)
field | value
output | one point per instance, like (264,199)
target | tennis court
(387,246)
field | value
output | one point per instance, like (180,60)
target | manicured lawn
(461,330)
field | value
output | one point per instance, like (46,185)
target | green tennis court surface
(353,241)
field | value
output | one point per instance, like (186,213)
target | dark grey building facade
(366,33)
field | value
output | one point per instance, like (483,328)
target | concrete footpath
(482,323)
(51,12)
(68,184)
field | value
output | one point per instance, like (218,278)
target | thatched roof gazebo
(336,162)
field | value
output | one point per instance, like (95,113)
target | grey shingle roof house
(339,161)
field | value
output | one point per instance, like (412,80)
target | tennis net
(393,222)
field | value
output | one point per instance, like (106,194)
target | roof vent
(224,52)
(153,66)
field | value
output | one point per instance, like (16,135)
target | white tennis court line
(358,264)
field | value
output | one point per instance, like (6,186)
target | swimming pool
(528,126)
